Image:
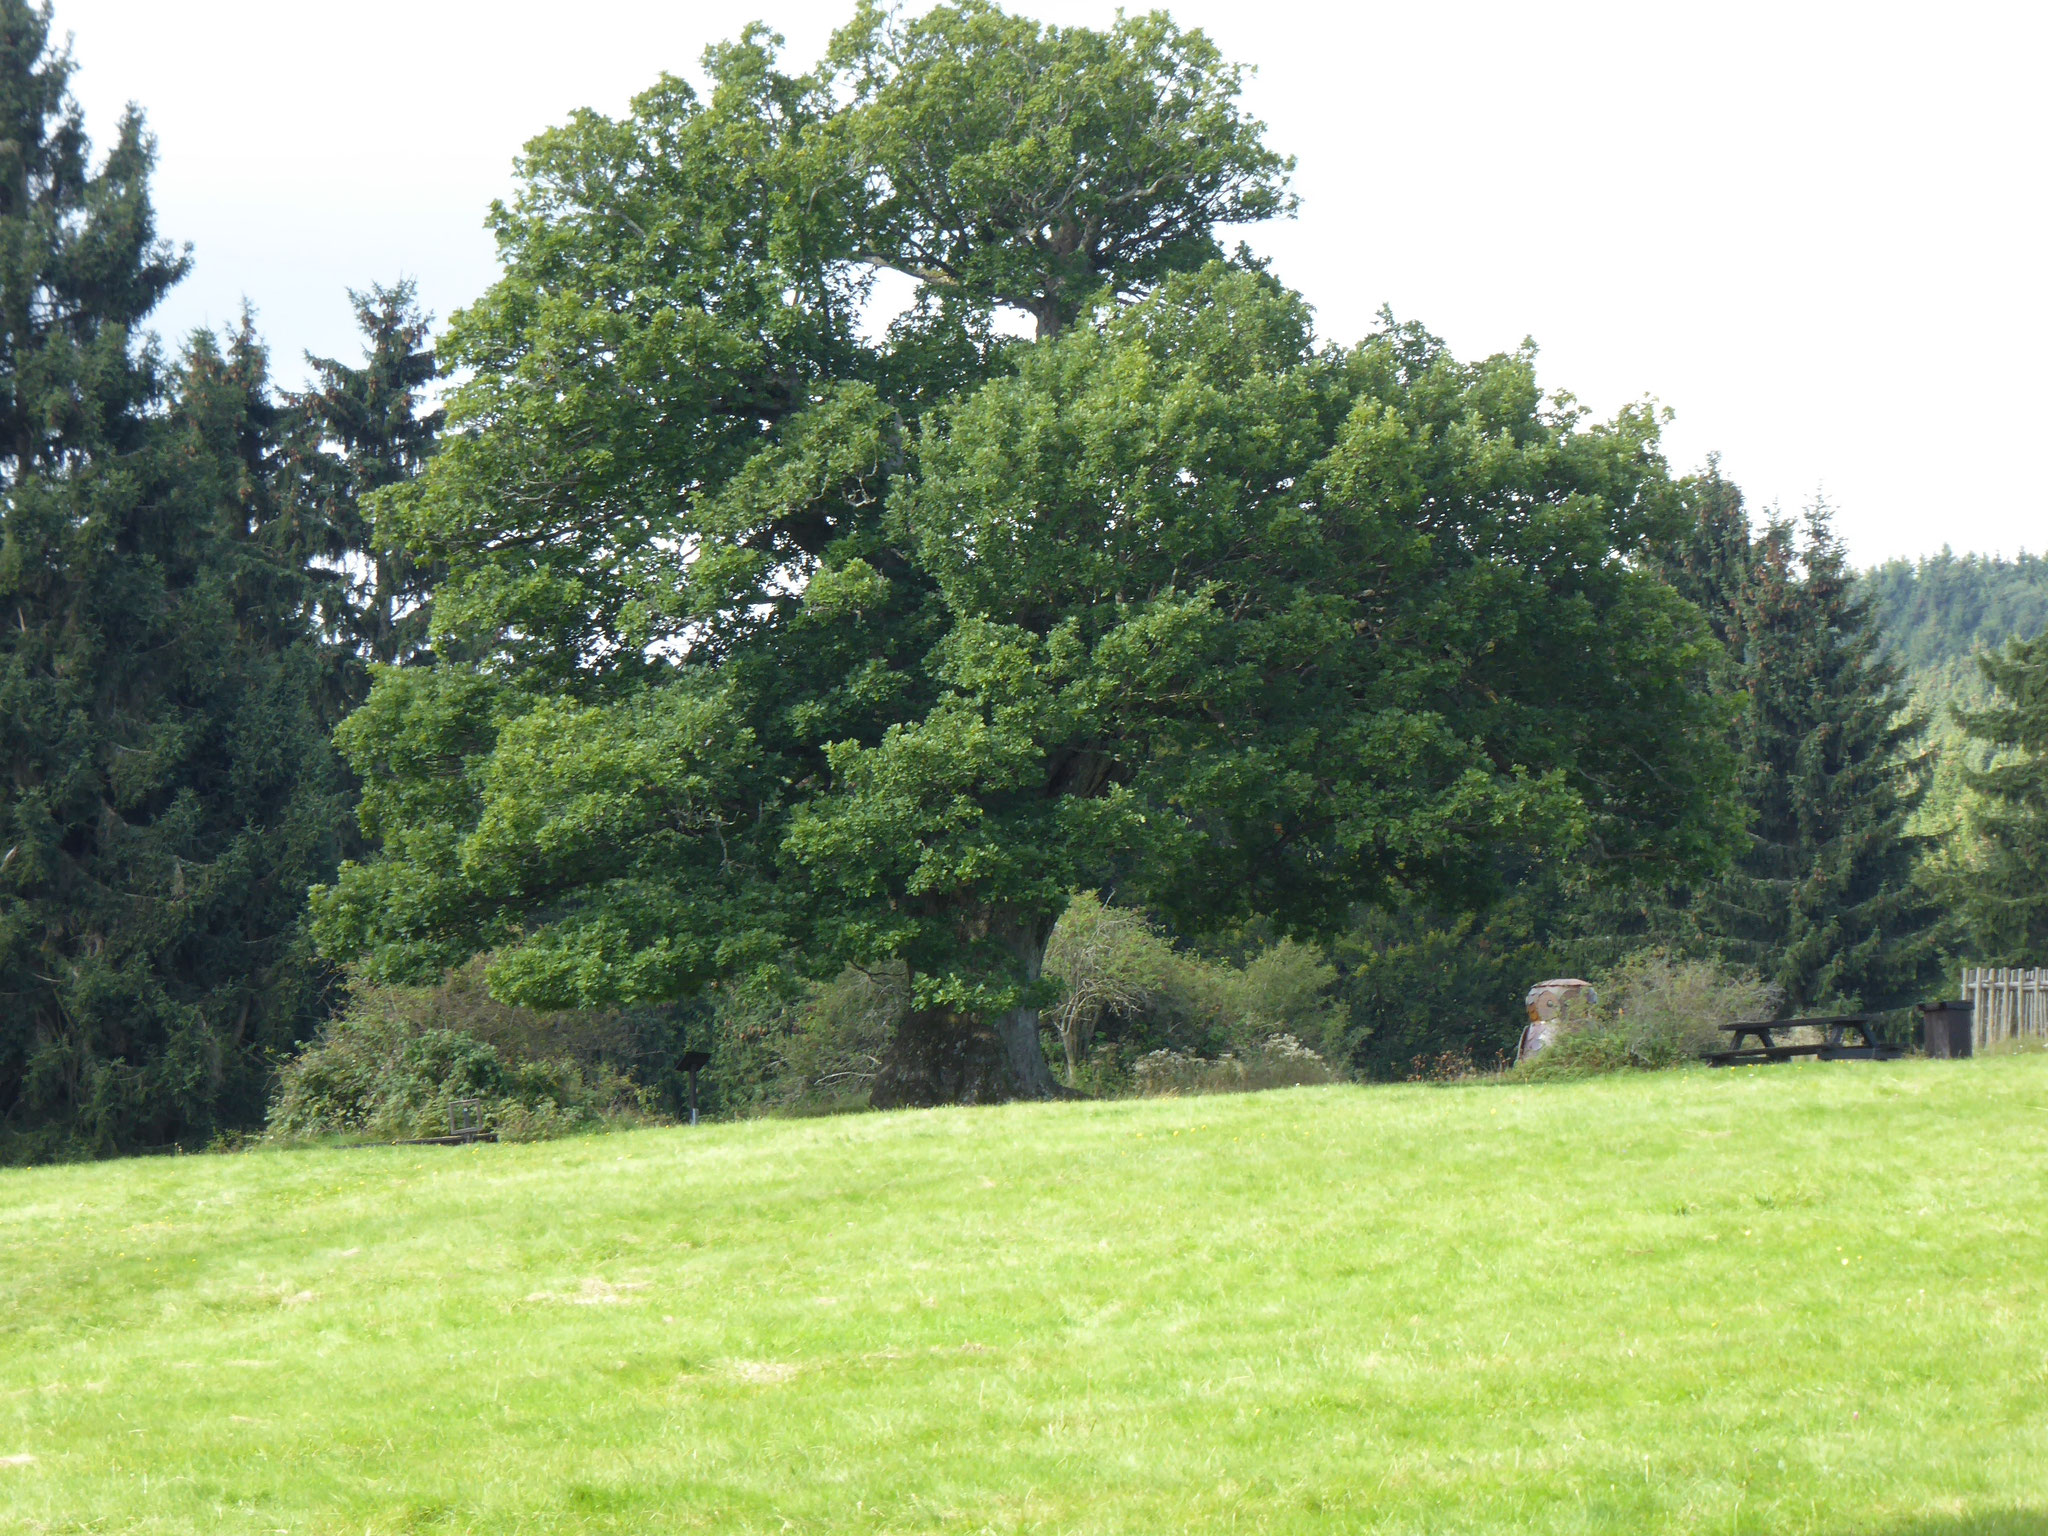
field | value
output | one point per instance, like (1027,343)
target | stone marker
(1548,1002)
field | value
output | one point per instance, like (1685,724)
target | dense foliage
(166,792)
(400,1062)
(915,709)
(768,639)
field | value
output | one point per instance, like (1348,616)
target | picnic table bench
(464,1127)
(1834,1046)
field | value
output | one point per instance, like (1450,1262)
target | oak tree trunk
(1028,1073)
(939,1056)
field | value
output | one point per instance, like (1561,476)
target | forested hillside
(1941,618)
(1940,608)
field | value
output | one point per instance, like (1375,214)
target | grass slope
(1794,1299)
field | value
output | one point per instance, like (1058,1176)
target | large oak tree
(764,636)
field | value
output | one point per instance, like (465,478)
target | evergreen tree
(165,794)
(80,263)
(2005,898)
(1824,903)
(1709,561)
(358,431)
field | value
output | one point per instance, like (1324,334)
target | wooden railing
(2010,1003)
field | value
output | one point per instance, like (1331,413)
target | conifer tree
(1709,561)
(2005,898)
(165,794)
(1824,903)
(358,431)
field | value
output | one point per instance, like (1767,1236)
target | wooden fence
(2010,1003)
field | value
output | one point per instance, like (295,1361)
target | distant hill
(1935,613)
(1936,610)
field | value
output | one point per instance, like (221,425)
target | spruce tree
(2004,900)
(1709,560)
(1824,902)
(357,431)
(165,794)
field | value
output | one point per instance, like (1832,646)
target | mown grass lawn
(1787,1299)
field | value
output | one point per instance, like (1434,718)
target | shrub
(1106,961)
(1671,1010)
(644,1043)
(1580,1050)
(1124,995)
(1655,1011)
(463,1005)
(1127,987)
(1279,1061)
(788,1046)
(1285,992)
(387,1069)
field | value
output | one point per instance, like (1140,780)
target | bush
(1655,1011)
(1279,1061)
(1285,992)
(793,1047)
(1127,986)
(642,1043)
(1426,989)
(388,1068)
(1125,995)
(1107,961)
(1580,1050)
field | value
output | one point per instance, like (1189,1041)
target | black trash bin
(1948,1030)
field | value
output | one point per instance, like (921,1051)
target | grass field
(1800,1299)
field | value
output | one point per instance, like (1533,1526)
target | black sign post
(694,1062)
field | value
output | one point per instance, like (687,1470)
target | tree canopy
(763,635)
(1031,166)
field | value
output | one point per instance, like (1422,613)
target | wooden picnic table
(1834,1045)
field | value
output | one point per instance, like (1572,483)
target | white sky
(1814,230)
